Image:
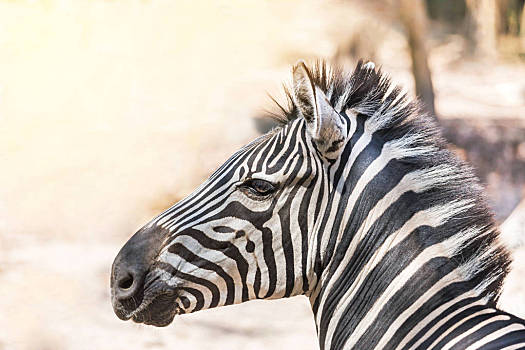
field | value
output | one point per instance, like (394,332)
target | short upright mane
(370,95)
(368,92)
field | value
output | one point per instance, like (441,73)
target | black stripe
(190,257)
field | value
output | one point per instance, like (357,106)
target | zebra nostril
(126,282)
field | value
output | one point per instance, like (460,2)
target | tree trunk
(482,27)
(513,228)
(522,29)
(414,18)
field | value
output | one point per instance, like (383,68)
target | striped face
(245,233)
(231,240)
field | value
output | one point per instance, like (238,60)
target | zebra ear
(326,127)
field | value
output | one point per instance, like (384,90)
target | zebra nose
(132,264)
(128,283)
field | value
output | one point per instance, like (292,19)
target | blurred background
(110,111)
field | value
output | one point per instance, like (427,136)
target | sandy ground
(111,111)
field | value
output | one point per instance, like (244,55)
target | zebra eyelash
(257,189)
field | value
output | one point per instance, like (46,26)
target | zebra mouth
(154,304)
(158,311)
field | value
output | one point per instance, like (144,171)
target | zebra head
(354,201)
(248,231)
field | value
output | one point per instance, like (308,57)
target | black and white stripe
(369,215)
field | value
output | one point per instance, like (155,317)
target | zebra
(355,201)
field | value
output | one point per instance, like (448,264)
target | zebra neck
(399,238)
(394,306)
(392,278)
(463,322)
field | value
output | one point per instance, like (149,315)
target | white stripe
(275,142)
(440,323)
(398,283)
(515,347)
(168,217)
(475,328)
(495,335)
(427,254)
(295,125)
(360,145)
(195,271)
(313,222)
(422,324)
(198,192)
(173,281)
(417,181)
(277,243)
(459,323)
(432,217)
(214,256)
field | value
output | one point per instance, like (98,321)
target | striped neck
(400,246)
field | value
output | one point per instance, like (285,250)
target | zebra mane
(370,94)
(365,90)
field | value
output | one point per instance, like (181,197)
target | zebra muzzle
(133,294)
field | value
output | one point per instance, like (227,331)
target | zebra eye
(257,187)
